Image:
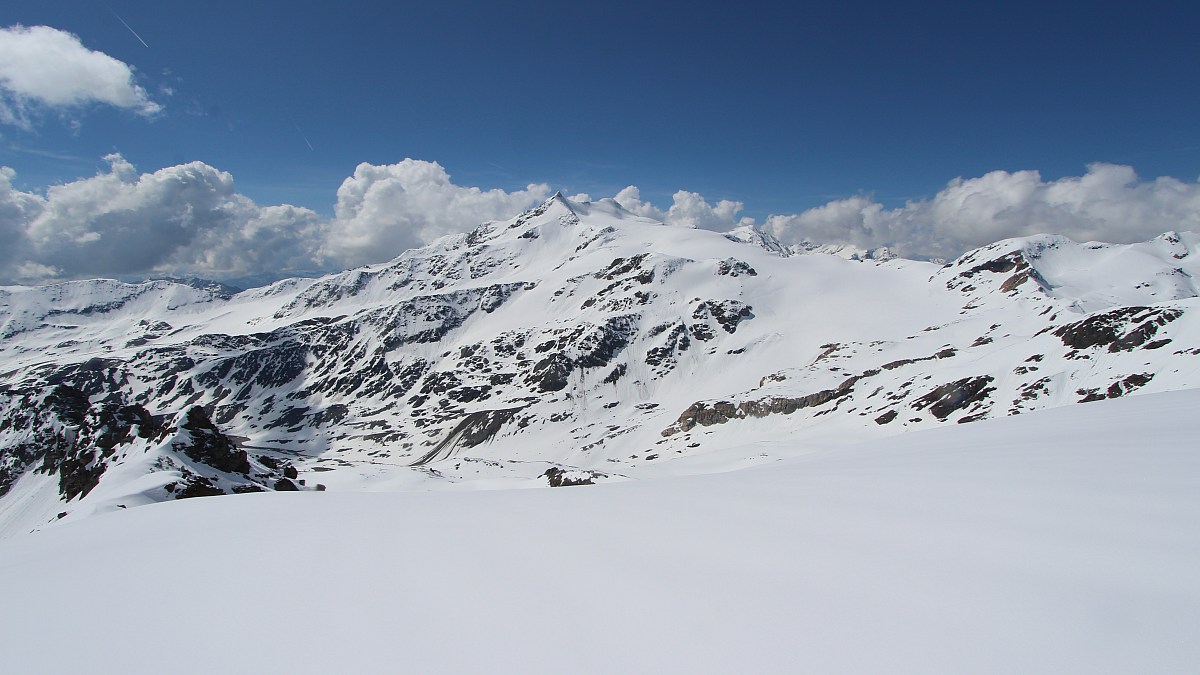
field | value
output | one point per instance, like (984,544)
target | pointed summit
(560,198)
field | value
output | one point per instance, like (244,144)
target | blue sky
(782,107)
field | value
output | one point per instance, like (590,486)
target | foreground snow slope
(1063,540)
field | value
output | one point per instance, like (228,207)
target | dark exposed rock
(209,446)
(1010,284)
(677,341)
(1005,263)
(196,486)
(708,413)
(886,417)
(79,473)
(956,395)
(440,382)
(943,354)
(616,374)
(622,266)
(734,268)
(474,429)
(1112,328)
(551,373)
(285,485)
(68,403)
(330,415)
(558,477)
(599,345)
(727,313)
(1116,389)
(82,456)
(247,488)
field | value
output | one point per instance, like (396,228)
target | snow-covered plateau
(815,459)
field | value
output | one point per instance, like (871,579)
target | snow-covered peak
(846,251)
(750,234)
(1089,276)
(73,304)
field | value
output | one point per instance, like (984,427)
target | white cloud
(17,209)
(630,199)
(190,220)
(1107,203)
(43,67)
(184,219)
(383,210)
(688,209)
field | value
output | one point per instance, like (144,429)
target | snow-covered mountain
(574,343)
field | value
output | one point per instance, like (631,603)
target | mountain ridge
(576,342)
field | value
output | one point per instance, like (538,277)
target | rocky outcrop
(954,396)
(206,444)
(475,429)
(1122,329)
(708,413)
(559,477)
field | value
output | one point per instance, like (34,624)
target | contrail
(300,131)
(139,37)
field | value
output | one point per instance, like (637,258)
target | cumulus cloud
(688,209)
(190,220)
(691,210)
(384,210)
(630,199)
(46,68)
(17,210)
(184,219)
(1108,203)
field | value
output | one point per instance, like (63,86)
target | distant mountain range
(575,343)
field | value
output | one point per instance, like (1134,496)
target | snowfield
(1065,540)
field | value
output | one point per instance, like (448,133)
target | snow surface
(1060,541)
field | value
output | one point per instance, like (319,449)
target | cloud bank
(184,219)
(1108,203)
(688,209)
(189,220)
(44,68)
